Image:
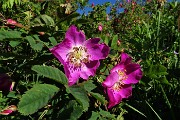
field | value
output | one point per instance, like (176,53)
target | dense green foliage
(147,30)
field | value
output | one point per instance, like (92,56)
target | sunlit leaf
(50,72)
(36,98)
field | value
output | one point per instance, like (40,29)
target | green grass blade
(153,110)
(135,109)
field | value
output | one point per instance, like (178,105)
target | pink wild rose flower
(80,57)
(118,84)
(100,27)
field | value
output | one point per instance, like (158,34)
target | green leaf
(35,45)
(94,116)
(36,98)
(43,20)
(53,41)
(77,112)
(159,70)
(88,85)
(156,71)
(9,35)
(71,16)
(164,80)
(114,42)
(50,72)
(80,95)
(48,20)
(99,97)
(14,43)
(106,114)
(81,21)
(70,111)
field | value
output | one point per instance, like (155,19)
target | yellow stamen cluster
(118,85)
(78,55)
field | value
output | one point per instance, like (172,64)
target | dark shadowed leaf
(80,95)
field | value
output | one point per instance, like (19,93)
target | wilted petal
(75,36)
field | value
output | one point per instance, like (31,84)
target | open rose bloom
(80,57)
(118,84)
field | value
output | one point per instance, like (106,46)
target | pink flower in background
(125,10)
(92,5)
(79,56)
(5,82)
(100,27)
(11,22)
(143,8)
(118,84)
(128,1)
(120,5)
(8,110)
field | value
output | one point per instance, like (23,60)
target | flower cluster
(80,58)
(121,77)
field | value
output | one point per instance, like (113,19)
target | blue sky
(103,1)
(95,3)
(112,1)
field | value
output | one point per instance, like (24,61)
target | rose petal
(89,69)
(134,74)
(96,51)
(118,67)
(126,91)
(125,58)
(92,41)
(111,80)
(114,98)
(73,77)
(76,37)
(61,50)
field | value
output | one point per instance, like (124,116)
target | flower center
(122,76)
(78,55)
